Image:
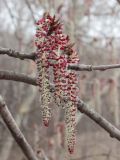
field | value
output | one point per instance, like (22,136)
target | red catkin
(54,50)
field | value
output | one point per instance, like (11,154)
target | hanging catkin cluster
(55,51)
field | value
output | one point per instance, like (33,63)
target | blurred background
(94,26)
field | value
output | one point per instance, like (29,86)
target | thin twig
(15,131)
(83,67)
(82,107)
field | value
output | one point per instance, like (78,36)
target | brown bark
(15,131)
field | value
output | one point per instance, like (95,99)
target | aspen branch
(15,131)
(83,67)
(79,67)
(16,54)
(10,75)
(101,121)
(82,107)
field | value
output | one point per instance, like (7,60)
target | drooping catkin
(71,105)
(43,69)
(55,51)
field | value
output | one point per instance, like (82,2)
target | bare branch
(111,129)
(10,75)
(16,54)
(83,67)
(79,67)
(82,107)
(15,131)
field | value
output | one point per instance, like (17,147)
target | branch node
(91,68)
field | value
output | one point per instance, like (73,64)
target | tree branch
(79,67)
(82,107)
(15,131)
(16,54)
(111,129)
(83,67)
(10,75)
